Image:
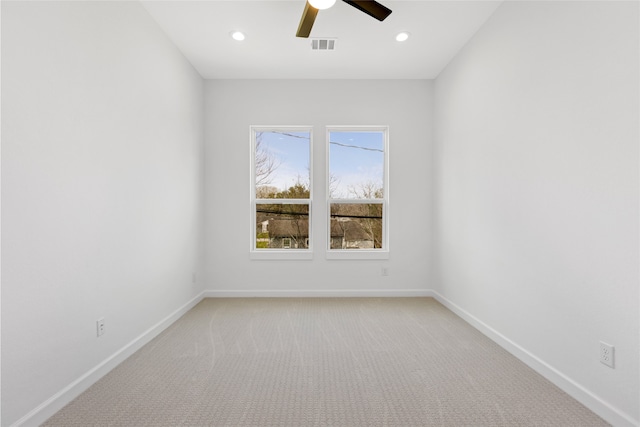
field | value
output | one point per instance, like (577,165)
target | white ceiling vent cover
(323,44)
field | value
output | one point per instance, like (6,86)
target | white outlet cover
(607,354)
(100,327)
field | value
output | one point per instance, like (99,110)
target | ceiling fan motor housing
(370,7)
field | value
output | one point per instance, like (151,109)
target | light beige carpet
(323,362)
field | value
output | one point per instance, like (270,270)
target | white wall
(102,138)
(233,105)
(536,189)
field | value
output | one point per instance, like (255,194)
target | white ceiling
(366,48)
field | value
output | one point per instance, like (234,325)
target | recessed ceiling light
(322,4)
(237,35)
(402,36)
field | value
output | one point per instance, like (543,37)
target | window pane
(282,164)
(356,165)
(356,226)
(282,226)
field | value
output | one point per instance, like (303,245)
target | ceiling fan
(370,7)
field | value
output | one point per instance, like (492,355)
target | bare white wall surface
(536,189)
(233,105)
(102,139)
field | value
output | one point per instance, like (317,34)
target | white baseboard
(294,293)
(73,390)
(573,389)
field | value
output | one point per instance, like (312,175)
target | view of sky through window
(282,159)
(356,164)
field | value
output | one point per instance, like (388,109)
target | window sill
(295,254)
(357,254)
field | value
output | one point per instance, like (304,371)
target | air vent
(323,44)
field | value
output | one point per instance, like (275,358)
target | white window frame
(382,253)
(277,253)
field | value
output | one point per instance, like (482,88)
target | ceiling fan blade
(371,8)
(306,22)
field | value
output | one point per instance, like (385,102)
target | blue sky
(291,150)
(354,158)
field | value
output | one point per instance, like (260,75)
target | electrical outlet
(607,354)
(100,326)
(193,278)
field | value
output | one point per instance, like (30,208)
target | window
(286,242)
(281,192)
(357,182)
(356,215)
